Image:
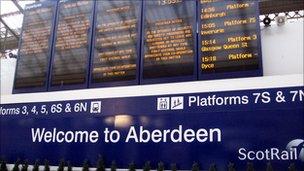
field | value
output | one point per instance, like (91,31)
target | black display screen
(117,40)
(72,50)
(169,39)
(34,49)
(229,37)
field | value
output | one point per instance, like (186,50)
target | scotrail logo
(294,151)
(299,145)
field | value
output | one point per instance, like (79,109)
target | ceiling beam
(10,14)
(278,6)
(9,29)
(18,6)
(9,44)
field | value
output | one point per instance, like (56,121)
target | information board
(257,125)
(115,58)
(169,41)
(229,39)
(35,47)
(72,45)
(137,42)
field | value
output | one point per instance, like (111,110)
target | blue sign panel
(116,52)
(169,41)
(229,39)
(72,44)
(236,126)
(35,47)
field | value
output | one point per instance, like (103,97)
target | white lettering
(242,151)
(268,154)
(176,135)
(132,135)
(37,134)
(41,135)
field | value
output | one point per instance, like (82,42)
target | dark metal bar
(18,6)
(10,43)
(278,6)
(10,14)
(7,27)
(5,38)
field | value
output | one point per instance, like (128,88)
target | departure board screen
(117,42)
(229,39)
(35,47)
(169,39)
(72,43)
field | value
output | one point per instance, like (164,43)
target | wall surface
(282,48)
(7,74)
